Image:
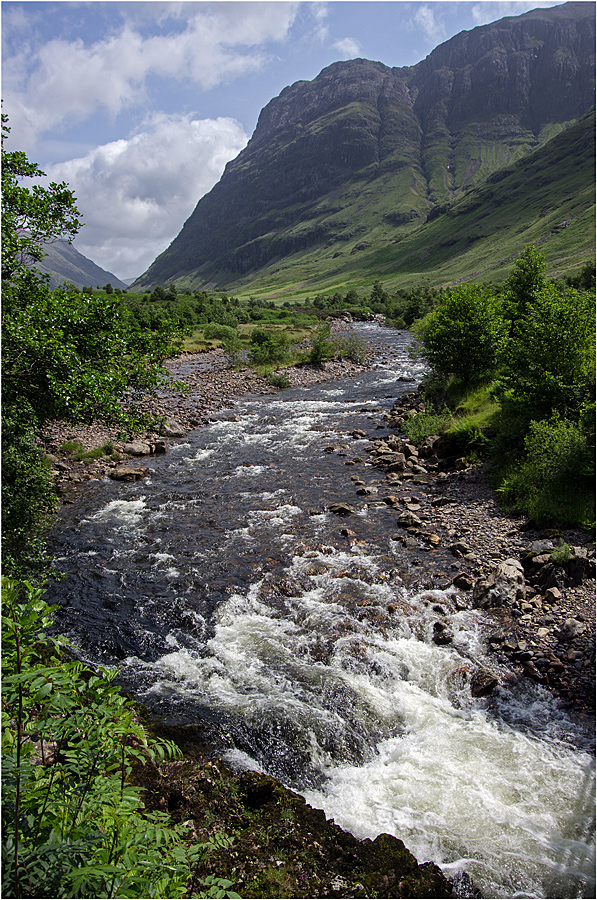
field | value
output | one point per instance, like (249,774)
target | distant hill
(345,172)
(63,263)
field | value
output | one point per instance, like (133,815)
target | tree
(550,356)
(31,215)
(465,334)
(66,354)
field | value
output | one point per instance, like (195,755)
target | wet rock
(483,683)
(128,473)
(441,634)
(393,462)
(172,428)
(504,586)
(342,509)
(463,581)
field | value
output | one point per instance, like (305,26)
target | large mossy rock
(282,847)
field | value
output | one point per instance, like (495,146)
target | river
(231,596)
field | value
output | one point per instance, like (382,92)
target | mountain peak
(359,156)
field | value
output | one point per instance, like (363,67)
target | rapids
(229,596)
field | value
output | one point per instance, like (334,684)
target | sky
(138,106)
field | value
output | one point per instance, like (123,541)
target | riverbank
(445,512)
(212,386)
(535,586)
(546,629)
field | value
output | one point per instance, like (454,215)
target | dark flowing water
(229,596)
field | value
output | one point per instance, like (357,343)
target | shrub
(322,346)
(352,347)
(28,497)
(555,482)
(279,380)
(73,825)
(465,334)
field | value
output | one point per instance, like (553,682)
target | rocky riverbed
(536,597)
(544,611)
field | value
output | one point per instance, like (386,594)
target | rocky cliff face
(364,146)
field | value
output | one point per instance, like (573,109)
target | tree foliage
(464,335)
(31,214)
(73,824)
(67,354)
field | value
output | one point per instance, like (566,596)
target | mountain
(345,167)
(63,263)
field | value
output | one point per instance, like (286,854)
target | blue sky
(139,105)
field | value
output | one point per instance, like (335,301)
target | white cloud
(347,47)
(205,44)
(424,19)
(134,195)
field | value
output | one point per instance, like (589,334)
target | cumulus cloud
(348,48)
(135,194)
(425,20)
(205,44)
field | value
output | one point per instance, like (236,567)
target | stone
(503,587)
(569,630)
(459,549)
(463,581)
(342,509)
(137,448)
(441,634)
(483,682)
(129,473)
(408,520)
(159,447)
(172,428)
(553,595)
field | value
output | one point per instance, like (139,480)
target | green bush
(352,347)
(555,483)
(322,345)
(279,380)
(464,336)
(73,824)
(28,496)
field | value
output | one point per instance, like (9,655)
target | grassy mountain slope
(546,199)
(342,170)
(63,263)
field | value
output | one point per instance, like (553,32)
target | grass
(545,199)
(76,451)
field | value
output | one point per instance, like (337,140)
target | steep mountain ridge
(63,262)
(361,154)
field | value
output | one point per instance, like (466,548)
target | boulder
(504,586)
(441,634)
(463,581)
(129,473)
(172,428)
(342,509)
(408,520)
(137,448)
(569,630)
(483,682)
